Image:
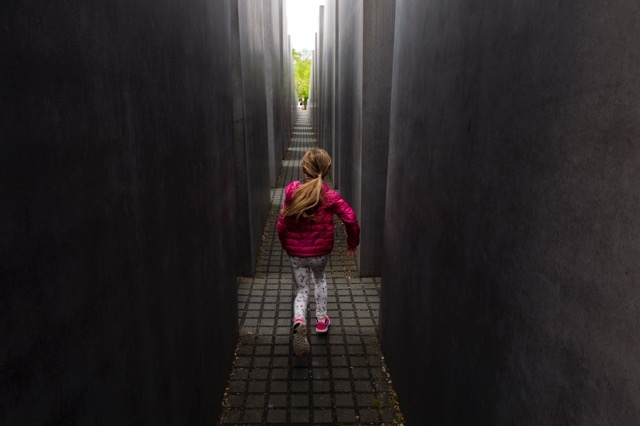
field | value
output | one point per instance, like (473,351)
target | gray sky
(302,21)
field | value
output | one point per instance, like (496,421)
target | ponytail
(315,165)
(305,199)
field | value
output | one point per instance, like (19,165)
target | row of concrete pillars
(138,145)
(489,148)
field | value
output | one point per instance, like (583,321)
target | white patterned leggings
(308,270)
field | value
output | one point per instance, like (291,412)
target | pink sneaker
(323,327)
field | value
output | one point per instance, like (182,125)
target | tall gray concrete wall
(273,49)
(512,235)
(117,294)
(348,164)
(289,114)
(313,86)
(364,96)
(263,104)
(328,78)
(351,95)
(251,131)
(293,114)
(278,83)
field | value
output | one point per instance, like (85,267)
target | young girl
(305,228)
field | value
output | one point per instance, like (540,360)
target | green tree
(302,72)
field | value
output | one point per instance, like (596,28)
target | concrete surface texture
(509,291)
(117,197)
(348,164)
(250,129)
(273,51)
(278,91)
(328,79)
(364,91)
(351,102)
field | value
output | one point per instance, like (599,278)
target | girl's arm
(351,225)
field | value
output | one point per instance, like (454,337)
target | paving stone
(299,416)
(278,401)
(237,385)
(322,400)
(320,350)
(358,361)
(278,386)
(240,373)
(339,350)
(349,331)
(279,361)
(335,340)
(252,416)
(265,322)
(354,340)
(356,350)
(279,373)
(235,400)
(322,416)
(300,386)
(265,331)
(366,399)
(368,331)
(350,322)
(345,415)
(377,374)
(255,400)
(261,361)
(344,400)
(340,373)
(321,373)
(299,373)
(300,400)
(258,387)
(277,416)
(263,350)
(342,386)
(283,331)
(259,374)
(319,362)
(231,417)
(363,386)
(360,373)
(281,350)
(368,415)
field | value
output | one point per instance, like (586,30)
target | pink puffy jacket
(302,237)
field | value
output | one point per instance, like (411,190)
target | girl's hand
(351,252)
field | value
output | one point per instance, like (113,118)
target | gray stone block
(116,187)
(511,246)
(250,129)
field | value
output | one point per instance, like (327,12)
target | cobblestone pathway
(343,379)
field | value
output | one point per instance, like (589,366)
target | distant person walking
(306,231)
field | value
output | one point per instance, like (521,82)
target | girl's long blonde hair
(315,165)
